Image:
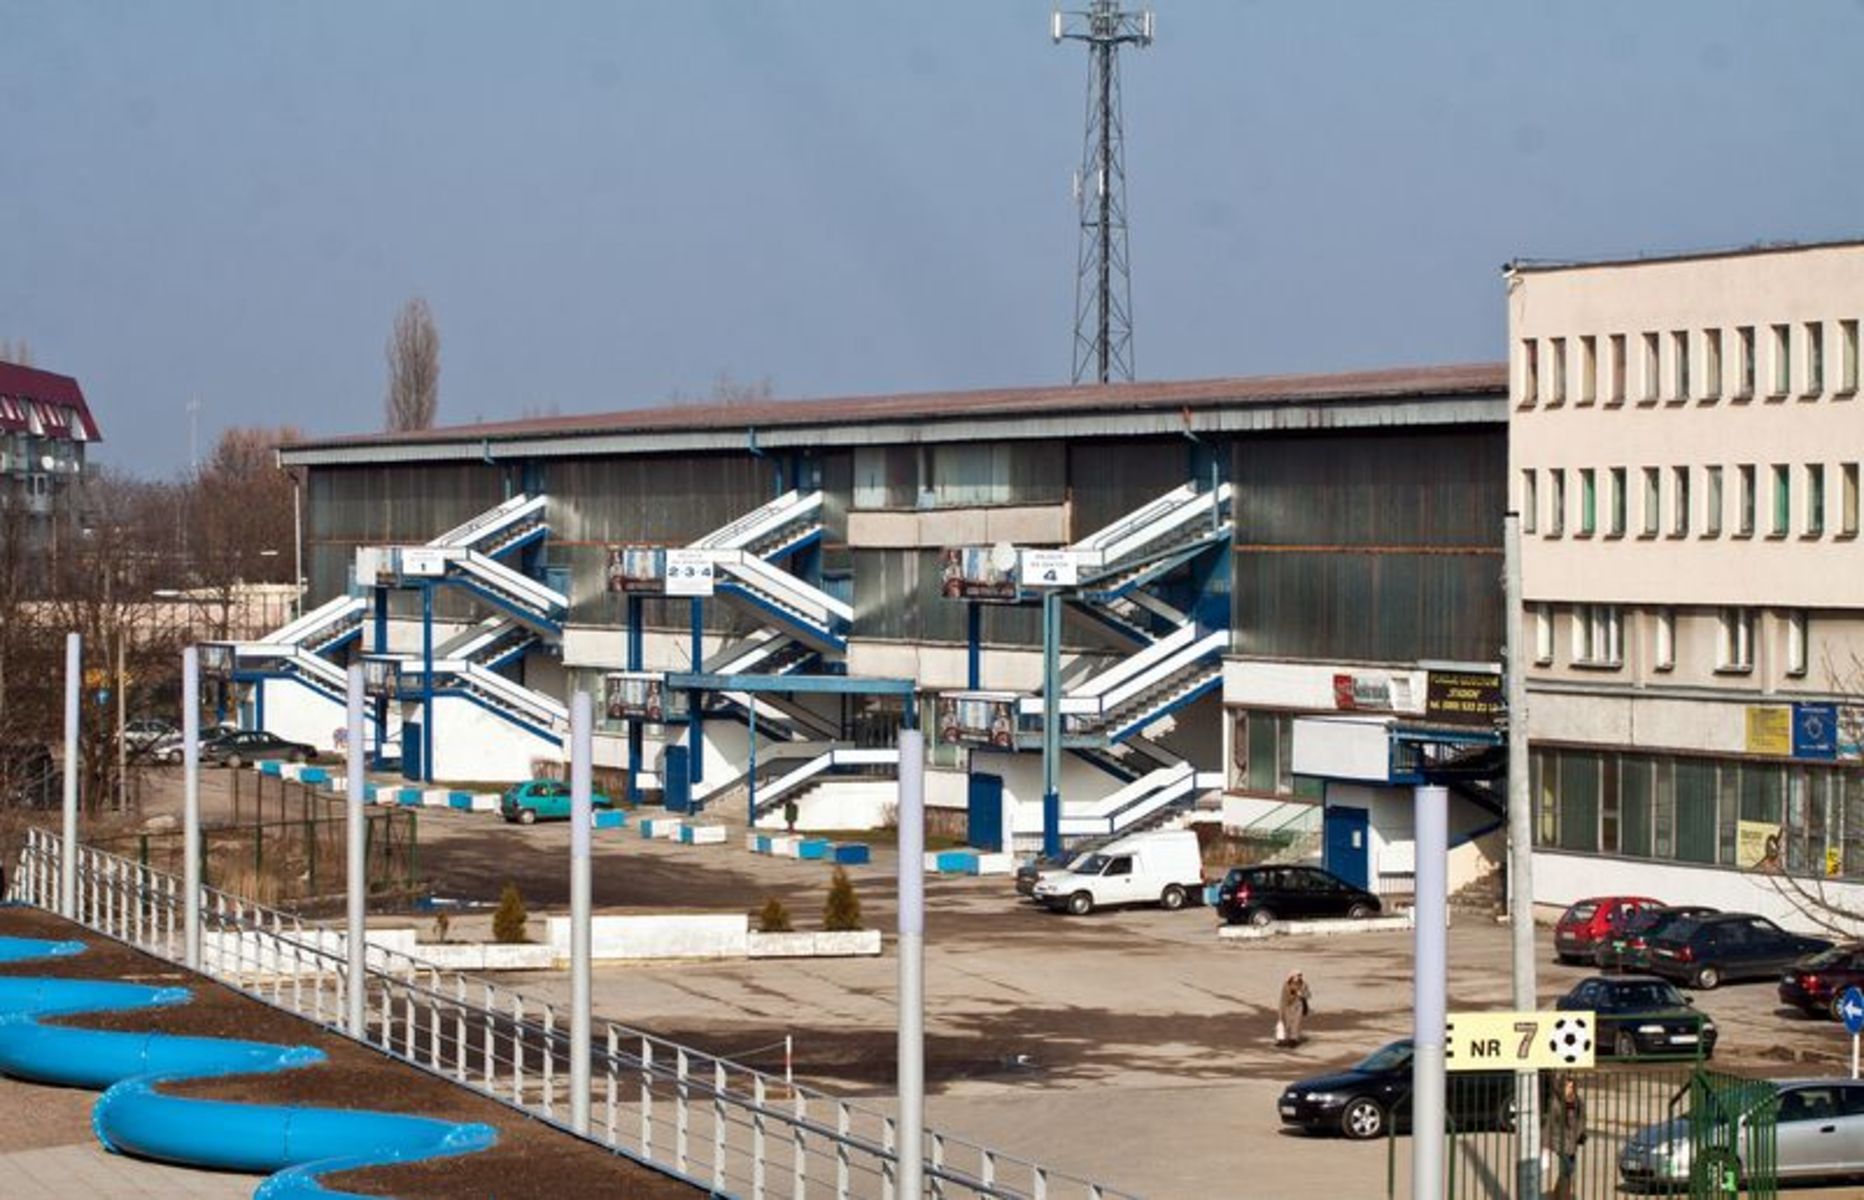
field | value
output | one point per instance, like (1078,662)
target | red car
(1588,923)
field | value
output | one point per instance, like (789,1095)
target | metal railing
(734,1128)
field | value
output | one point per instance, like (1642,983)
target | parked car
(1588,922)
(1160,867)
(1710,950)
(245,746)
(1818,1133)
(1259,895)
(168,749)
(543,800)
(144,732)
(1033,868)
(1639,1015)
(1374,1098)
(1628,949)
(1817,984)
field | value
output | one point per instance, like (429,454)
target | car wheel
(1172,898)
(1080,904)
(1359,912)
(233,761)
(527,816)
(1624,1045)
(1708,979)
(1362,1118)
(1262,917)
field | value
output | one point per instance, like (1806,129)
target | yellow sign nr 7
(1519,1041)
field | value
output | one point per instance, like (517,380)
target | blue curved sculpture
(293,1145)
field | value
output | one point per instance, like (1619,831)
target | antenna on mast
(1103,314)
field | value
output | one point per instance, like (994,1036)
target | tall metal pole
(356,874)
(1104,52)
(68,853)
(1051,721)
(1432,822)
(297,546)
(582,816)
(191,807)
(1520,854)
(427,682)
(912,884)
(122,719)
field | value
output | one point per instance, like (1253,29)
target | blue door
(984,814)
(1346,849)
(412,743)
(676,785)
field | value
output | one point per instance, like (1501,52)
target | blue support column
(974,644)
(695,720)
(258,703)
(636,742)
(750,812)
(381,702)
(1051,721)
(427,682)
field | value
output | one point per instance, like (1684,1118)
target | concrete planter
(487,956)
(858,943)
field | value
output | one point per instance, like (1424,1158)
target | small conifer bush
(843,910)
(508,923)
(773,917)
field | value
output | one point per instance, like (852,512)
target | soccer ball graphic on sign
(1571,1040)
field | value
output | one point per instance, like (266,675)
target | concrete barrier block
(484,802)
(996,864)
(460,800)
(705,835)
(663,828)
(608,818)
(271,767)
(313,775)
(785,846)
(815,849)
(409,797)
(659,936)
(853,854)
(957,862)
(436,798)
(931,862)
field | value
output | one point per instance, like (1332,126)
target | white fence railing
(734,1128)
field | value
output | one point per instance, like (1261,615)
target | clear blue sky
(606,202)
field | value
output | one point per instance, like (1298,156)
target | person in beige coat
(1292,1011)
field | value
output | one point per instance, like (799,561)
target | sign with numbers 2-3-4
(689,573)
(1519,1041)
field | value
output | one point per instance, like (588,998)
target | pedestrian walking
(1292,1011)
(1562,1133)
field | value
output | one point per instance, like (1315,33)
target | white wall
(1022,786)
(471,743)
(1560,879)
(294,712)
(840,804)
(1391,813)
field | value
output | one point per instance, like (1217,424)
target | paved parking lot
(1131,1047)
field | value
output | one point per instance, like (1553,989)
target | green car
(545,799)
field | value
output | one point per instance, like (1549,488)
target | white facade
(1685,439)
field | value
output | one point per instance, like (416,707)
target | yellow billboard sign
(1770,729)
(1519,1041)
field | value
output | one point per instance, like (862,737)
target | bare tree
(240,516)
(18,353)
(727,392)
(413,368)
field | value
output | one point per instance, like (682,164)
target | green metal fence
(1665,1128)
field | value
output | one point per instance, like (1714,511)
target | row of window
(1683,364)
(1803,820)
(1601,501)
(1596,637)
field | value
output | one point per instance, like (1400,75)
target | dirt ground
(530,1159)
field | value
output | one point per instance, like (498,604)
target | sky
(611,204)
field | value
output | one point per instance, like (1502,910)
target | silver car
(1819,1132)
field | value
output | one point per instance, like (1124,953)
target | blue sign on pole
(1851,1008)
(1815,731)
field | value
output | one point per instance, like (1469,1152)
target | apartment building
(45,426)
(1685,436)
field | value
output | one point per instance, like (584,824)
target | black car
(253,745)
(1816,985)
(1374,1098)
(1708,951)
(1640,1015)
(1260,895)
(1628,949)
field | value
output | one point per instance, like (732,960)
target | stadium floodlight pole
(1432,805)
(191,806)
(1520,855)
(68,853)
(356,874)
(582,817)
(912,927)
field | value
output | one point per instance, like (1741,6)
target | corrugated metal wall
(347,507)
(1383,547)
(896,596)
(1109,479)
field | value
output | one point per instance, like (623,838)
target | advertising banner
(1757,845)
(1770,729)
(634,696)
(978,719)
(635,569)
(979,573)
(1815,731)
(1468,697)
(216,660)
(380,677)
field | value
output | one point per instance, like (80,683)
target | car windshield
(1093,864)
(1579,912)
(1646,995)
(1388,1058)
(1682,928)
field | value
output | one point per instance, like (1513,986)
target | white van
(1161,867)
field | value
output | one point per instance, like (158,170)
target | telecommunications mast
(1103,315)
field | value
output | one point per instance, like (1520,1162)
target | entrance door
(984,813)
(1346,852)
